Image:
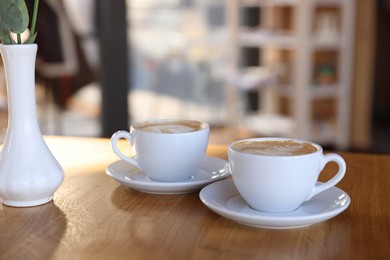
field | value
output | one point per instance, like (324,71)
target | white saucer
(223,198)
(210,170)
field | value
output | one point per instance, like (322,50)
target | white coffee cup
(273,182)
(167,150)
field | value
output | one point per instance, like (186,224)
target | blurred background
(314,69)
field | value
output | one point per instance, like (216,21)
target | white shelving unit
(318,28)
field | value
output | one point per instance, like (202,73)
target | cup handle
(123,135)
(331,157)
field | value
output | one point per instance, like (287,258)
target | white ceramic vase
(29,173)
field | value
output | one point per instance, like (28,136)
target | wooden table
(93,217)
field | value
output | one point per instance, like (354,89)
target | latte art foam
(275,148)
(170,127)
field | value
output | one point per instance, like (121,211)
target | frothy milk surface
(275,147)
(170,127)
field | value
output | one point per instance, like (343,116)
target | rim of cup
(317,146)
(203,125)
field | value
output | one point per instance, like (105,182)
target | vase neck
(19,65)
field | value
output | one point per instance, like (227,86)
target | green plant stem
(19,38)
(34,18)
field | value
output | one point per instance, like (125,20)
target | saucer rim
(264,219)
(156,187)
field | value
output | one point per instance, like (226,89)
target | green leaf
(5,38)
(31,39)
(13,18)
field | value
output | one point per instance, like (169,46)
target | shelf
(317,91)
(265,3)
(321,45)
(280,3)
(329,3)
(261,38)
(258,38)
(313,40)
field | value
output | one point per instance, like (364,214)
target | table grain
(94,217)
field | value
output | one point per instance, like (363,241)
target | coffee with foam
(167,150)
(170,127)
(275,147)
(276,175)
